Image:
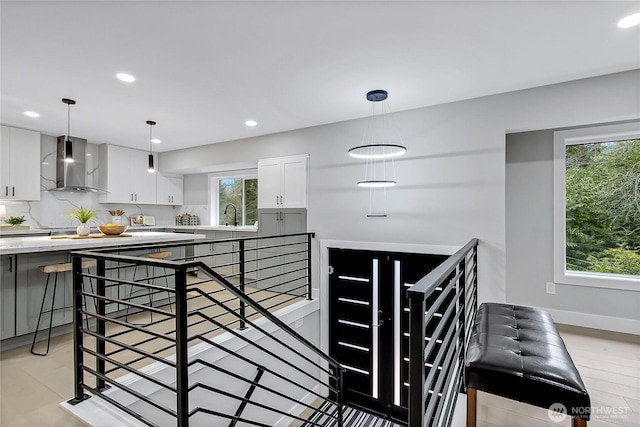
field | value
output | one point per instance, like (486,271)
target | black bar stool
(55,269)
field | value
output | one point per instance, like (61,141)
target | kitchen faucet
(235,214)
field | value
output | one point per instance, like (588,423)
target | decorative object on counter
(83,215)
(187,219)
(112,229)
(15,220)
(151,167)
(89,236)
(381,144)
(14,223)
(148,220)
(137,220)
(116,216)
(3,212)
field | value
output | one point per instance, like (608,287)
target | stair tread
(351,417)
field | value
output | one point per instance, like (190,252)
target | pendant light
(151,167)
(68,145)
(381,143)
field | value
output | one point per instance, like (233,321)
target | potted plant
(15,220)
(83,215)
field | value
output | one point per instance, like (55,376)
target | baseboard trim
(595,321)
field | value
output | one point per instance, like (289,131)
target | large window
(239,192)
(597,206)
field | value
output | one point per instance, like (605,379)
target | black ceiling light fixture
(381,143)
(151,167)
(68,145)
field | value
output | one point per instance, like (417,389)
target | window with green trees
(243,194)
(602,205)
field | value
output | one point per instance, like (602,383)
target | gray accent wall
(529,237)
(452,181)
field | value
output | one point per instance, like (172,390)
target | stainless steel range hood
(72,176)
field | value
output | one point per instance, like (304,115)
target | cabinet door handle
(136,197)
(13,189)
(132,197)
(10,264)
(6,191)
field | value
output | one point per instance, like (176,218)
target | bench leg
(472,399)
(578,422)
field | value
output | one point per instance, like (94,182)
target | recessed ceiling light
(31,114)
(629,21)
(156,141)
(125,77)
(251,123)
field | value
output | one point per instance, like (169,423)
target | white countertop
(18,245)
(141,228)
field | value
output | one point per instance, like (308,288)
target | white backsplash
(52,208)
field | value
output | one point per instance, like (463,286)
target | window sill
(599,281)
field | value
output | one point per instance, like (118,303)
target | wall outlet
(551,288)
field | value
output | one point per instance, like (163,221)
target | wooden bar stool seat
(48,270)
(150,255)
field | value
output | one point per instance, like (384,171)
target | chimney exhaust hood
(72,176)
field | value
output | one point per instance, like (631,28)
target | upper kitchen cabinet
(19,164)
(282,182)
(169,190)
(124,175)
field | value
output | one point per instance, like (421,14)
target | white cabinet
(282,182)
(169,190)
(19,164)
(125,176)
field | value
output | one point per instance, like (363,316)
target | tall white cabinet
(19,164)
(125,176)
(169,190)
(282,182)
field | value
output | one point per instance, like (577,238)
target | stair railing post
(101,324)
(416,359)
(308,266)
(78,355)
(182,356)
(340,371)
(242,283)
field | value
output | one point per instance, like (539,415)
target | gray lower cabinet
(30,285)
(275,264)
(7,296)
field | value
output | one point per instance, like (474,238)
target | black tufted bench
(516,352)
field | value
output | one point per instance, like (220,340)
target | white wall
(529,244)
(451,182)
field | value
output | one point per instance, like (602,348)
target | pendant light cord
(68,121)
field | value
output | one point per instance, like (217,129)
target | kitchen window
(597,206)
(241,191)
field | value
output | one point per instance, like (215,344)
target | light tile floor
(31,387)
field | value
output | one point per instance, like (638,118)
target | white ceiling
(205,67)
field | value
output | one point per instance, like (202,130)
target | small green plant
(82,214)
(15,220)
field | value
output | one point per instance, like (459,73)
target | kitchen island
(31,244)
(22,283)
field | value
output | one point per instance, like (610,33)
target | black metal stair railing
(442,308)
(213,353)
